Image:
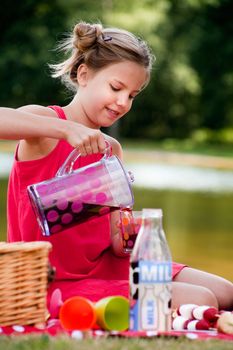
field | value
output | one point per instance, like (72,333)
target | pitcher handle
(67,166)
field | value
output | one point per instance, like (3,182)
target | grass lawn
(168,145)
(182,146)
(45,342)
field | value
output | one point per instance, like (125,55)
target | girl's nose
(123,101)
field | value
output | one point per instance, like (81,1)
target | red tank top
(81,254)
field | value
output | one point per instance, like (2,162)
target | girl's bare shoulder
(37,147)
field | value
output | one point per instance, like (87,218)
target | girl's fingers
(88,149)
(101,143)
(94,146)
(82,150)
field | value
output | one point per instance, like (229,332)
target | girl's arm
(18,124)
(116,235)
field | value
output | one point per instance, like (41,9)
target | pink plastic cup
(130,223)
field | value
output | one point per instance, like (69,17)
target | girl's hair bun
(85,35)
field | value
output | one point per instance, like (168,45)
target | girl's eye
(114,88)
(131,97)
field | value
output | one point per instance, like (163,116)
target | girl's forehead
(125,71)
(124,66)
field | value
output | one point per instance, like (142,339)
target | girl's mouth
(112,113)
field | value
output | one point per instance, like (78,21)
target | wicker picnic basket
(23,282)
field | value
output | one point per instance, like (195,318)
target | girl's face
(107,95)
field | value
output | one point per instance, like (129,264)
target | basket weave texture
(23,282)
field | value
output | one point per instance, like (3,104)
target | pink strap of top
(59,111)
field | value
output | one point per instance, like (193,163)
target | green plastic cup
(113,313)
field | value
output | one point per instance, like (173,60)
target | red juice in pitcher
(75,213)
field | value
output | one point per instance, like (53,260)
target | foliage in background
(29,30)
(192,81)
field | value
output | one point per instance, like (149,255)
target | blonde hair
(99,47)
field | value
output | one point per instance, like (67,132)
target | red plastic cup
(77,313)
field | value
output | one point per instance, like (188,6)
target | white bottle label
(150,289)
(152,272)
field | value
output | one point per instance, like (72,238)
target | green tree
(29,31)
(212,57)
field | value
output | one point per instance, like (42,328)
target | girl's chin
(107,123)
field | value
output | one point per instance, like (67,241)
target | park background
(178,137)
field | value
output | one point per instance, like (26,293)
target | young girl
(108,68)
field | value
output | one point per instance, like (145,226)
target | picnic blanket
(54,328)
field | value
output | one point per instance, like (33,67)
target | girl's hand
(87,140)
(116,235)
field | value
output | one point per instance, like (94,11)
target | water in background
(6,160)
(183,177)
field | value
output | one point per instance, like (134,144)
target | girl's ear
(82,74)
